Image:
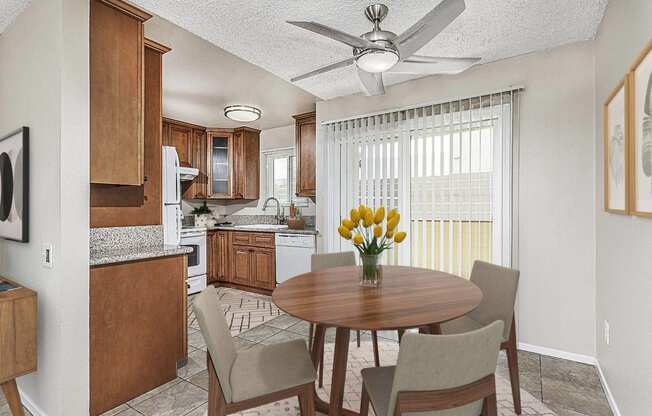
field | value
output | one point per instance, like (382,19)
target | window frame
(269,157)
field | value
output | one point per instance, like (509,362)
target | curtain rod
(515,88)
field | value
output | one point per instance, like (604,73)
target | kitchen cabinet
(219,255)
(246,163)
(116,93)
(120,206)
(234,163)
(198,188)
(131,351)
(305,143)
(179,136)
(253,260)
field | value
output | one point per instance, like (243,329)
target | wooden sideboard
(18,353)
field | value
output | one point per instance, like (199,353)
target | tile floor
(550,386)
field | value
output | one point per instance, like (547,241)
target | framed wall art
(640,101)
(14,185)
(616,149)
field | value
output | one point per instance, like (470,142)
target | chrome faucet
(280,219)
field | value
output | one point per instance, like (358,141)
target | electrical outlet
(47,256)
(607,334)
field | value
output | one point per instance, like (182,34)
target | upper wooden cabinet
(116,93)
(190,143)
(233,163)
(306,136)
(246,167)
(178,135)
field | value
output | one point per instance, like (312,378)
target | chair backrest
(499,286)
(440,362)
(324,261)
(215,330)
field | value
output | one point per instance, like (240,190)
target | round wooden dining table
(409,297)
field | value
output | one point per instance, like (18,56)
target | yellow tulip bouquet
(365,229)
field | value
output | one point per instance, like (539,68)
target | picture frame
(616,142)
(640,116)
(14,185)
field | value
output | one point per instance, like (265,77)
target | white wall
(270,139)
(623,243)
(556,246)
(44,85)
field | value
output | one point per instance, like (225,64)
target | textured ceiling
(9,9)
(200,79)
(491,29)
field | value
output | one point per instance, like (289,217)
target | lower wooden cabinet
(254,266)
(242,258)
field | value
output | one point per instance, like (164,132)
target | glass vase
(371,271)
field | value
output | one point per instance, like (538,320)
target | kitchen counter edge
(308,231)
(102,257)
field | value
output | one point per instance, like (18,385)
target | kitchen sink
(264,226)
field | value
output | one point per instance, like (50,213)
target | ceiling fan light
(244,113)
(377,61)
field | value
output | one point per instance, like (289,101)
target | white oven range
(195,238)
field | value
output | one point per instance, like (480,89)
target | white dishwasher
(293,252)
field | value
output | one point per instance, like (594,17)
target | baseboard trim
(610,397)
(580,358)
(551,352)
(29,404)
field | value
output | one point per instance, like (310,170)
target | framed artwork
(616,149)
(640,99)
(14,185)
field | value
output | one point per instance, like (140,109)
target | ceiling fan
(381,51)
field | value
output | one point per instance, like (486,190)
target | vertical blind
(447,167)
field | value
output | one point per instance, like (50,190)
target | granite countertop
(119,255)
(307,230)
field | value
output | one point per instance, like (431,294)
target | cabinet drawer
(263,240)
(242,238)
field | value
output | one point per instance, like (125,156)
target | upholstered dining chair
(240,380)
(324,261)
(499,286)
(441,375)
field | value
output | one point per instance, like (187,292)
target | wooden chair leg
(10,390)
(489,406)
(321,368)
(357,338)
(512,363)
(307,401)
(311,335)
(401,332)
(364,402)
(374,338)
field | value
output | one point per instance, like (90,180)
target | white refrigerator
(172,214)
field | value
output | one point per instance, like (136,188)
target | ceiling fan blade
(323,69)
(429,68)
(338,35)
(430,25)
(439,59)
(372,83)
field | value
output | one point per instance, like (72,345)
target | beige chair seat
(267,369)
(378,382)
(460,326)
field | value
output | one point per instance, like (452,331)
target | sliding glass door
(447,167)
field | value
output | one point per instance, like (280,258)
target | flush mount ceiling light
(245,113)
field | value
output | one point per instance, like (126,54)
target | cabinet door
(264,268)
(306,135)
(220,160)
(239,170)
(241,265)
(197,150)
(212,256)
(116,94)
(223,249)
(181,138)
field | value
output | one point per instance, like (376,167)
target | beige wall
(623,243)
(44,85)
(556,246)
